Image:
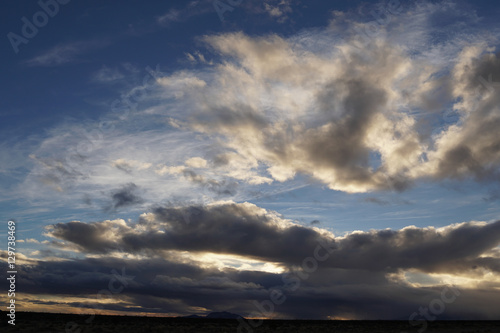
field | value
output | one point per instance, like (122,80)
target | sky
(276,159)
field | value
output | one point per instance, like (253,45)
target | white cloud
(278,9)
(196,162)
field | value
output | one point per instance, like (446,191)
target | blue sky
(342,118)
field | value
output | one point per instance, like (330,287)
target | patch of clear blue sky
(37,98)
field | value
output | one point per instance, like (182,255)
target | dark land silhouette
(212,323)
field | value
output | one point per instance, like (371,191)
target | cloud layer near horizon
(210,258)
(250,231)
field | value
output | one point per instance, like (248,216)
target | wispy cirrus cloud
(107,74)
(192,9)
(66,53)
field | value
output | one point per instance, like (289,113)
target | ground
(59,323)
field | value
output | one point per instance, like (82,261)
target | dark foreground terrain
(48,322)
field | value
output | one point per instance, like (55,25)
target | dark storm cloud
(88,276)
(241,229)
(426,249)
(247,230)
(124,197)
(159,285)
(89,237)
(153,284)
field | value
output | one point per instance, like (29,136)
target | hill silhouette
(216,315)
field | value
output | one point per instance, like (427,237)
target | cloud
(388,274)
(192,9)
(65,53)
(324,105)
(106,74)
(249,231)
(92,159)
(129,165)
(471,147)
(147,292)
(237,229)
(218,176)
(124,197)
(339,114)
(278,9)
(335,145)
(377,201)
(56,173)
(32,240)
(427,249)
(196,162)
(171,16)
(218,187)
